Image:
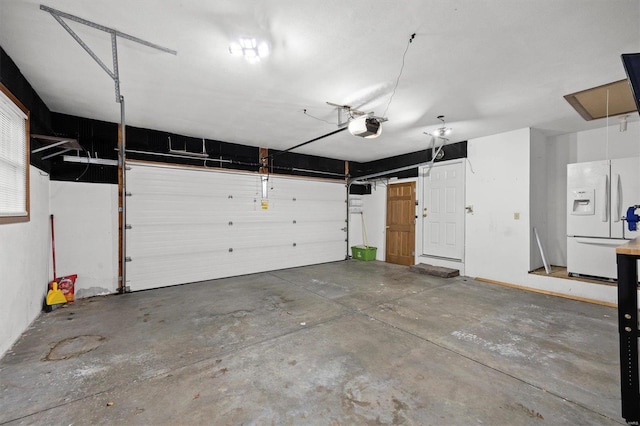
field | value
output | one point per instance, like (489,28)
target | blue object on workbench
(632,218)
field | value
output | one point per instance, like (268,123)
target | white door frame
(419,228)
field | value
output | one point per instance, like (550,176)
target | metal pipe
(46,157)
(295,169)
(189,156)
(89,160)
(400,169)
(51,145)
(240,163)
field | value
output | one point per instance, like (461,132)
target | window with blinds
(14,159)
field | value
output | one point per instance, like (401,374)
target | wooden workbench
(627,256)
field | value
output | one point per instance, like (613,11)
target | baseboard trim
(548,293)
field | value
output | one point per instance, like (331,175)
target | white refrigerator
(598,195)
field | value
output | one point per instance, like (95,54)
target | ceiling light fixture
(250,48)
(442,131)
(365,126)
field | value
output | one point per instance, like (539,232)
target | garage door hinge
(128,227)
(344,229)
(127,194)
(127,259)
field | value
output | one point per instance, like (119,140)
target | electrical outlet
(516,216)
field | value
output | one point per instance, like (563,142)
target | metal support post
(116,73)
(123,171)
(628,329)
(115,76)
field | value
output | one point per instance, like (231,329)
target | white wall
(86,235)
(497,244)
(502,167)
(538,197)
(608,142)
(560,152)
(24,260)
(376,218)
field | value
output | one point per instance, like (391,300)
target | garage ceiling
(488,66)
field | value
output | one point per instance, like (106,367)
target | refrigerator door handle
(617,191)
(605,204)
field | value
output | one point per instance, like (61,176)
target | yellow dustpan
(55,296)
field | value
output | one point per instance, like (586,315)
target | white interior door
(443,211)
(191,225)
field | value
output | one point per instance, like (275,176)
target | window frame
(27,163)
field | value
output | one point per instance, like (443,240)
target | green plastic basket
(364,252)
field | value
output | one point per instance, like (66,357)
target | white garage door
(191,225)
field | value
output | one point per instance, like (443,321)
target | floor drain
(74,346)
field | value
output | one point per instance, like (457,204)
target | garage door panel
(165,270)
(179,237)
(192,225)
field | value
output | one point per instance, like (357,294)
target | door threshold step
(436,271)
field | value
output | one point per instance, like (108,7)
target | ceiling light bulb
(250,49)
(263,50)
(442,131)
(235,49)
(248,43)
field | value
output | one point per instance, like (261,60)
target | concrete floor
(334,344)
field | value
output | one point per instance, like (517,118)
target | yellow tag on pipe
(265,204)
